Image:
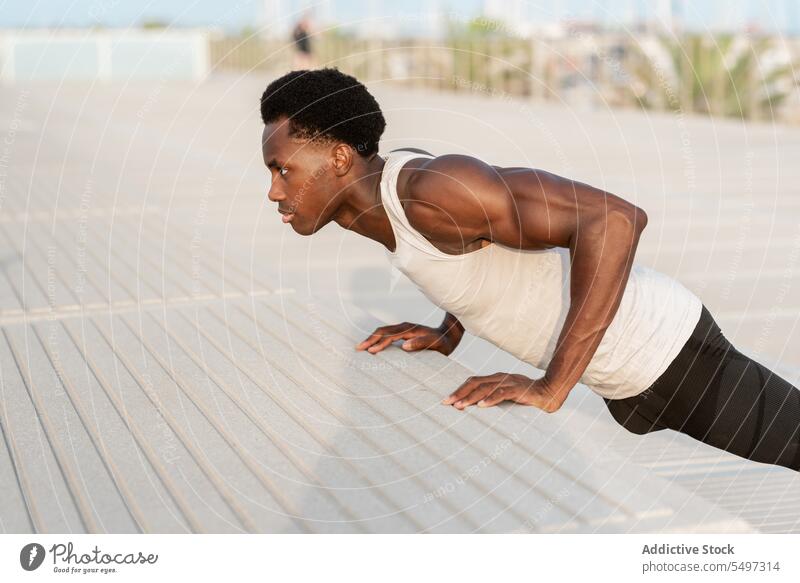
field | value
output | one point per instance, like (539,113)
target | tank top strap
(404,233)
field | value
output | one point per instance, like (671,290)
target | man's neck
(362,210)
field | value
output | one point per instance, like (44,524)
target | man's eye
(281,171)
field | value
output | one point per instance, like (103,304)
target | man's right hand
(416,336)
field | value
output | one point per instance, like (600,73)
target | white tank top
(518,300)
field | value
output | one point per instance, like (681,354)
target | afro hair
(326,105)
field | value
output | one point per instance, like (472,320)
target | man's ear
(342,159)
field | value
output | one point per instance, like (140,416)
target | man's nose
(275,195)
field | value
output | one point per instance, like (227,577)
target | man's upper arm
(520,207)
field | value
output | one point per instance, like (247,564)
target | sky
(772,15)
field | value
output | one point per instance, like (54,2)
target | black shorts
(717,395)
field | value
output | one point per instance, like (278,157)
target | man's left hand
(490,390)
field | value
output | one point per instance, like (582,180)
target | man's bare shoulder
(444,169)
(429,178)
(442,195)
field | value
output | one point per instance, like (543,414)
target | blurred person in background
(303,57)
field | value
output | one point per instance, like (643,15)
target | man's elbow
(639,218)
(632,217)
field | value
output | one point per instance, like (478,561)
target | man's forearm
(602,257)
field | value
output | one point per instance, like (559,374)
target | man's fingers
(416,342)
(384,332)
(384,342)
(378,346)
(369,340)
(465,388)
(468,386)
(472,391)
(366,342)
(377,335)
(381,342)
(497,396)
(476,395)
(488,391)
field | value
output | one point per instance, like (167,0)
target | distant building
(104,55)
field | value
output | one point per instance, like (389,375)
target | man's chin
(301,227)
(306,227)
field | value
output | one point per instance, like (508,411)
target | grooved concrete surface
(174,359)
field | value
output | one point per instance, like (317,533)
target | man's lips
(287,215)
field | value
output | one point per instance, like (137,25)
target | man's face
(303,185)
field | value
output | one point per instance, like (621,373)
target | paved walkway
(173,358)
